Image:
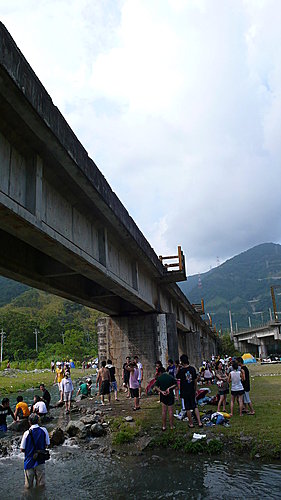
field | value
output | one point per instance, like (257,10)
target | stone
(19,425)
(76,429)
(98,412)
(129,419)
(97,430)
(57,437)
(93,419)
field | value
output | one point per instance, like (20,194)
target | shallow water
(76,473)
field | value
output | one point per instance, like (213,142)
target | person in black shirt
(113,383)
(246,384)
(46,396)
(5,410)
(188,385)
(126,375)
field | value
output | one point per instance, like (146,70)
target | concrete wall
(150,336)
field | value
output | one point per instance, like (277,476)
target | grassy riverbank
(16,380)
(257,436)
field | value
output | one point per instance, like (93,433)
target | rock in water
(19,425)
(76,429)
(97,430)
(57,437)
(89,419)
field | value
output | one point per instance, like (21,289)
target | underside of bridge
(63,230)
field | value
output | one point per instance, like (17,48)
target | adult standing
(222,383)
(52,366)
(246,385)
(165,384)
(134,384)
(235,378)
(104,379)
(126,376)
(67,389)
(58,378)
(113,382)
(208,373)
(140,373)
(5,410)
(188,386)
(36,438)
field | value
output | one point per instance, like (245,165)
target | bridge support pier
(149,336)
(263,349)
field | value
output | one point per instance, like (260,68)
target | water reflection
(75,472)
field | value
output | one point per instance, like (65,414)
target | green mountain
(9,290)
(66,329)
(242,285)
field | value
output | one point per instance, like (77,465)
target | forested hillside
(66,329)
(241,284)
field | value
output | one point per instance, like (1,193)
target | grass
(258,434)
(20,381)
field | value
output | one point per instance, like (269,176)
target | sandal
(191,426)
(163,429)
(200,425)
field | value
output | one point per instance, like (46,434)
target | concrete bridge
(259,340)
(64,230)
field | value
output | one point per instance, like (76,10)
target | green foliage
(226,346)
(123,432)
(56,319)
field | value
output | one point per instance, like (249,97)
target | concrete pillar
(190,343)
(263,349)
(149,336)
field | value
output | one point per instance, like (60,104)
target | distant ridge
(241,284)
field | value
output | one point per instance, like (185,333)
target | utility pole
(230,322)
(36,338)
(250,323)
(62,337)
(3,334)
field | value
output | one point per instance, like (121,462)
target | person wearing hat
(58,378)
(36,438)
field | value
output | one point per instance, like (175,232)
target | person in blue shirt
(34,470)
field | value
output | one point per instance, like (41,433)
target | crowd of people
(177,381)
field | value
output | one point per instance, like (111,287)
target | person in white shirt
(67,390)
(36,438)
(140,374)
(39,407)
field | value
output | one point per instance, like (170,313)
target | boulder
(57,437)
(97,430)
(19,425)
(89,419)
(77,429)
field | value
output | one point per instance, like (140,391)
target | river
(74,472)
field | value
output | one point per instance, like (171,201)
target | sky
(178,102)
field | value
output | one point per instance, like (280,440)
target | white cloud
(179,104)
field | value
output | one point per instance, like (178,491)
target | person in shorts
(58,378)
(188,386)
(140,373)
(165,385)
(235,378)
(222,383)
(104,379)
(126,376)
(113,382)
(67,389)
(246,384)
(134,384)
